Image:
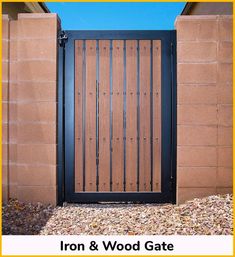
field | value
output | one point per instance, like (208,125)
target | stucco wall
(30,106)
(204,109)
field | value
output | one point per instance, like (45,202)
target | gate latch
(62,39)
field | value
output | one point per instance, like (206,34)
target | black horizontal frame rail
(168,99)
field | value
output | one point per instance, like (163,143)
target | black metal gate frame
(66,128)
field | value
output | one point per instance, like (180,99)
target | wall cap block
(36,15)
(5,17)
(201,18)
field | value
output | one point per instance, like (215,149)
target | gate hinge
(62,38)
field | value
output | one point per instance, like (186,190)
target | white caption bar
(122,245)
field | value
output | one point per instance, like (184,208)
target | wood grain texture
(144,143)
(78,116)
(157,115)
(131,115)
(104,115)
(90,139)
(117,101)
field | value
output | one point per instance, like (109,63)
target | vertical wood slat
(117,140)
(78,116)
(104,115)
(145,154)
(131,115)
(156,115)
(90,140)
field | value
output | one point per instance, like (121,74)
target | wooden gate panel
(79,91)
(114,146)
(117,122)
(144,116)
(131,115)
(156,115)
(90,139)
(104,115)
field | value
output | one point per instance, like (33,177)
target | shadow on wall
(24,219)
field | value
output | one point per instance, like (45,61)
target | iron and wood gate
(119,98)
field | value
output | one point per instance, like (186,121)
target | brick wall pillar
(204,157)
(32,108)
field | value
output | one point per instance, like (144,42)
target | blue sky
(116,16)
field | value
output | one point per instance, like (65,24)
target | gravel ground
(207,216)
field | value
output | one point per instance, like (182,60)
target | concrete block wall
(32,107)
(204,109)
(29,89)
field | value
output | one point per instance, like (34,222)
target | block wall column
(5,111)
(204,108)
(30,118)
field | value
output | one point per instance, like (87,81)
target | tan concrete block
(224,190)
(13,88)
(13,133)
(4,174)
(4,153)
(5,91)
(225,93)
(5,112)
(33,194)
(225,29)
(225,177)
(37,49)
(36,154)
(36,133)
(13,30)
(196,176)
(13,152)
(13,111)
(225,52)
(13,191)
(46,27)
(225,73)
(36,70)
(197,135)
(225,136)
(197,114)
(5,52)
(5,71)
(4,133)
(13,72)
(13,51)
(208,30)
(187,30)
(13,174)
(197,94)
(196,52)
(185,194)
(225,115)
(38,111)
(4,194)
(5,28)
(196,156)
(36,175)
(196,73)
(225,157)
(35,91)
